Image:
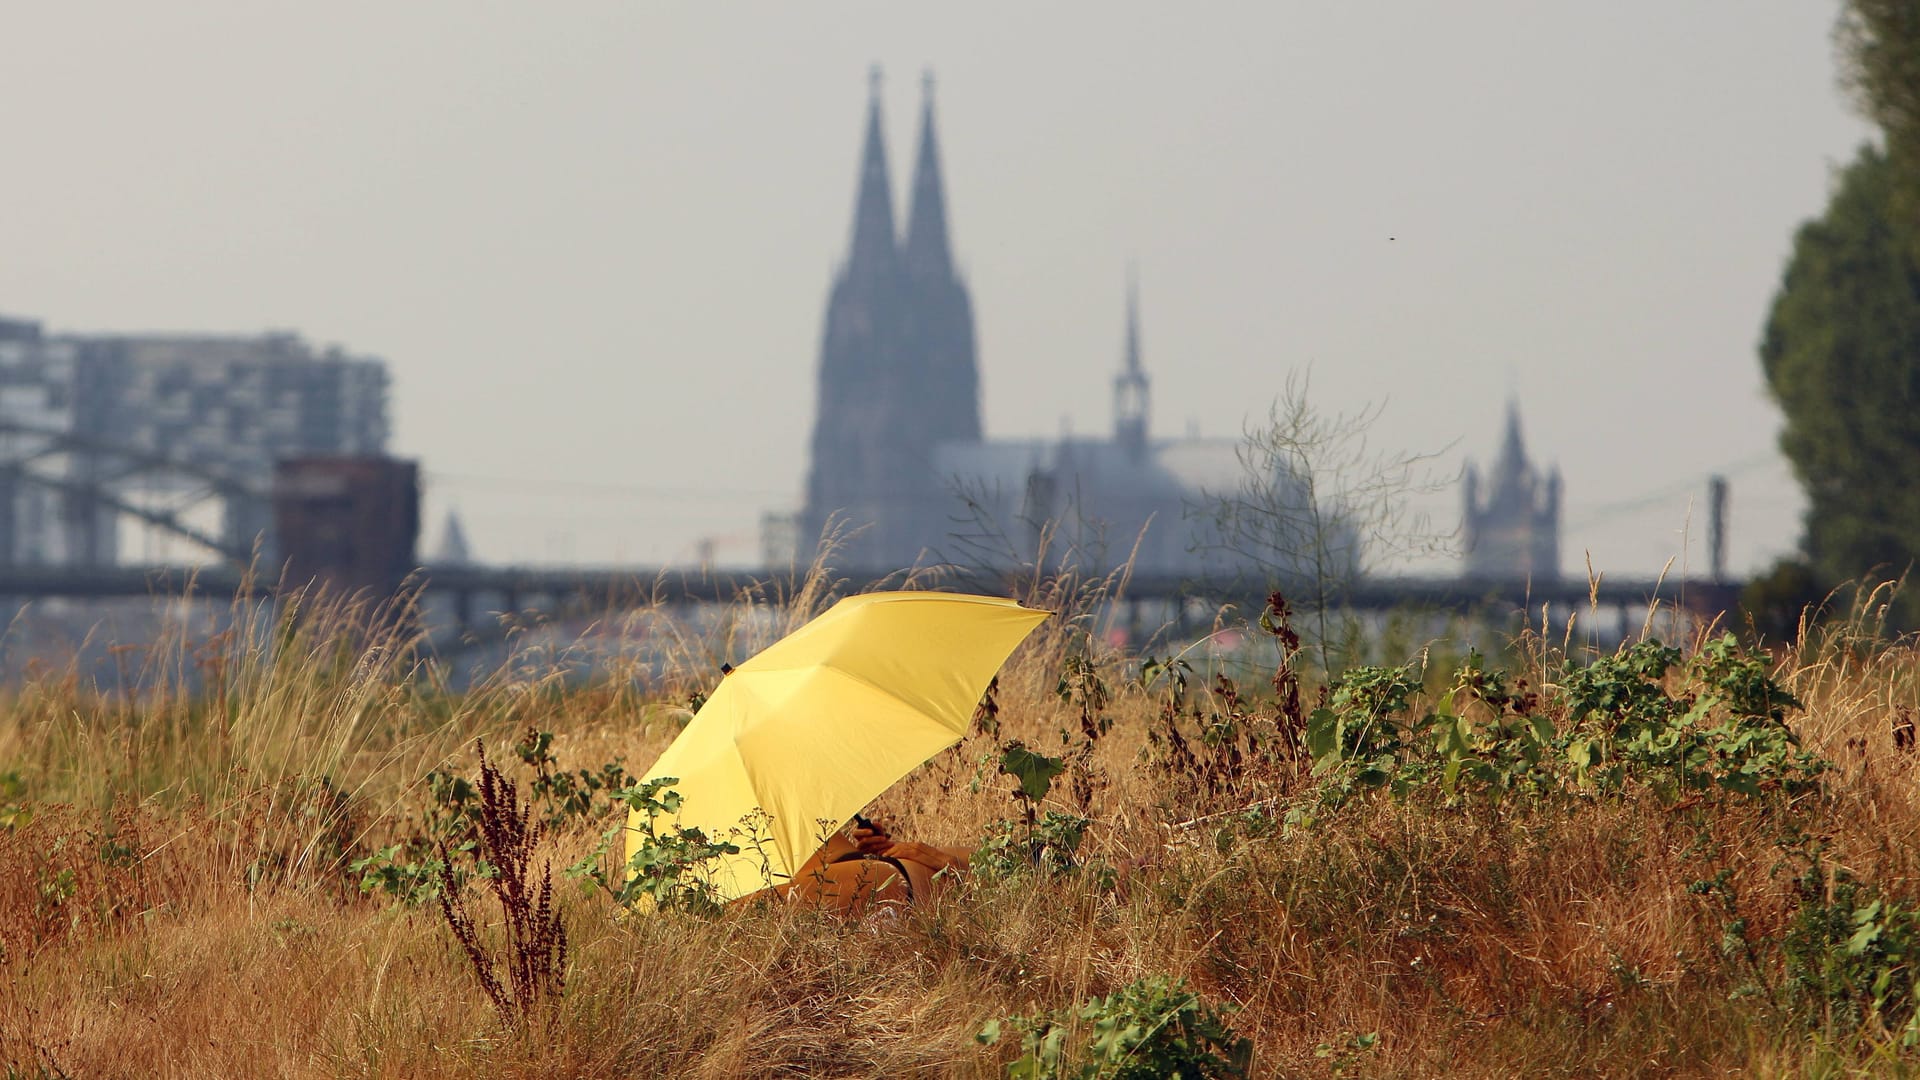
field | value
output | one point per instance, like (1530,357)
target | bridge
(352,523)
(90,477)
(1139,603)
(476,596)
(586,591)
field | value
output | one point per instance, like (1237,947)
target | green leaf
(1863,939)
(1323,734)
(1035,772)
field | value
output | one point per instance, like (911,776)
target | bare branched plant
(535,954)
(1317,503)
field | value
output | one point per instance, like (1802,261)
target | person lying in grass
(862,866)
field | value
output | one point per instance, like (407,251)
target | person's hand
(913,850)
(870,839)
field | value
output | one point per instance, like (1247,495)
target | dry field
(1609,873)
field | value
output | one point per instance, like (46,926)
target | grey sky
(594,240)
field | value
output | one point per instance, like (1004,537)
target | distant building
(229,405)
(237,403)
(899,458)
(1513,533)
(454,549)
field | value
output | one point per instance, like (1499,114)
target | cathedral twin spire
(873,240)
(926,249)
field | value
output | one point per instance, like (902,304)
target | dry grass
(178,902)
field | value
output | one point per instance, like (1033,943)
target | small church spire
(927,248)
(1512,527)
(873,241)
(1130,386)
(454,549)
(1511,463)
(1133,323)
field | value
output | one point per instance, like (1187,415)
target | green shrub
(1153,1028)
(1853,958)
(1012,849)
(1731,734)
(1359,735)
(567,797)
(671,866)
(1046,844)
(1725,730)
(1366,736)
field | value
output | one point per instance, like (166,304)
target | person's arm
(842,843)
(930,856)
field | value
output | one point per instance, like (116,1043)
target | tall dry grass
(174,899)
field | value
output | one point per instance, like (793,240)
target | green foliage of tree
(1773,604)
(1879,45)
(1841,354)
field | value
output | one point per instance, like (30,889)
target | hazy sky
(594,241)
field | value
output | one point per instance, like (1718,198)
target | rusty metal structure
(348,525)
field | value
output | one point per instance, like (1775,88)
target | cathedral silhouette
(902,471)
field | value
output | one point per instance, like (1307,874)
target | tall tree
(1841,352)
(1879,44)
(1879,47)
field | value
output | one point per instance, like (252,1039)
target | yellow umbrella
(817,725)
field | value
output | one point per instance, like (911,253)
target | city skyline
(582,241)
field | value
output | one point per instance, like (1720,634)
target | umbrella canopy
(817,725)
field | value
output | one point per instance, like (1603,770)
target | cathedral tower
(1514,533)
(898,374)
(857,349)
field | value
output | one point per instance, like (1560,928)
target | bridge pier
(247,521)
(10,606)
(89,530)
(9,517)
